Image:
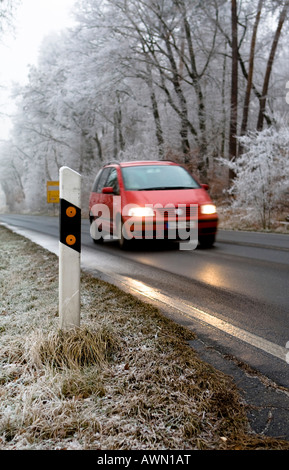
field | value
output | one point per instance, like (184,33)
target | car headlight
(208,209)
(140,212)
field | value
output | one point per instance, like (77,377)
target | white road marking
(197,314)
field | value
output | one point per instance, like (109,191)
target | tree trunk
(200,99)
(118,139)
(156,115)
(181,97)
(98,143)
(234,87)
(263,99)
(250,71)
(224,123)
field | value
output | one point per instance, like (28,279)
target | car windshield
(157,177)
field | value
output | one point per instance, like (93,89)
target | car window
(102,180)
(112,181)
(157,177)
(94,186)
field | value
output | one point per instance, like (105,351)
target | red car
(150,199)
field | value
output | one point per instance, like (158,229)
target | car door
(97,199)
(112,198)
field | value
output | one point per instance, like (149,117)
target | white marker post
(69,247)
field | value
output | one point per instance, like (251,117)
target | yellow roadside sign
(52,191)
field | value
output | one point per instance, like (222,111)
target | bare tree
(263,98)
(251,69)
(234,86)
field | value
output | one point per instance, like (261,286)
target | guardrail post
(69,247)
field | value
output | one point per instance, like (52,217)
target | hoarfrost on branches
(140,79)
(262,175)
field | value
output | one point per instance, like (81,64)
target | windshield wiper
(160,188)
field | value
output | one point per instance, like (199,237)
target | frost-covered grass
(126,379)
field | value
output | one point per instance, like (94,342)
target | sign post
(69,248)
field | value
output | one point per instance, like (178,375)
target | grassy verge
(126,379)
(239,219)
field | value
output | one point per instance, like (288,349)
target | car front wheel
(95,231)
(207,241)
(123,240)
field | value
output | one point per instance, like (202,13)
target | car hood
(177,196)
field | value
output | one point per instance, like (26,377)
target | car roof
(143,162)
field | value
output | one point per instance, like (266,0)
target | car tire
(96,240)
(123,242)
(207,241)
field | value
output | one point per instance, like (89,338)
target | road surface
(235,295)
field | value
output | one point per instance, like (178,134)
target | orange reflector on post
(70,211)
(70,240)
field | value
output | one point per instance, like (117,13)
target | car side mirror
(108,190)
(205,186)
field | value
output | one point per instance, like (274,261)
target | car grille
(170,212)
